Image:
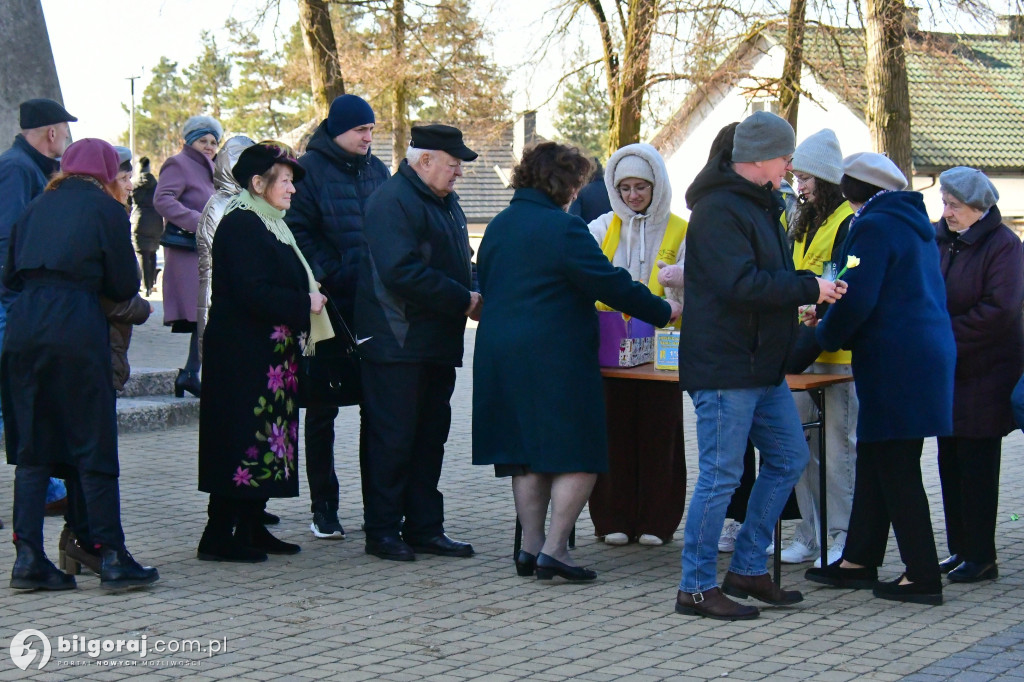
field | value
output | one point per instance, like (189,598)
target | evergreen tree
(582,113)
(163,111)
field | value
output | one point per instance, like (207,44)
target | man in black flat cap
(414,295)
(25,169)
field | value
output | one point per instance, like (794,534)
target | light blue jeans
(725,418)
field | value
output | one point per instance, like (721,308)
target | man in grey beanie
(739,322)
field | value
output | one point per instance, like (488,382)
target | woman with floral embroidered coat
(263,297)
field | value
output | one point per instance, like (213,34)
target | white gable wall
(818,109)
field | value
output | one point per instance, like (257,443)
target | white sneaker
(650,540)
(727,540)
(616,539)
(835,553)
(798,553)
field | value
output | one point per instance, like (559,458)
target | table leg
(823,508)
(778,551)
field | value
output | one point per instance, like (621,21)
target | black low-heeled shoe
(973,572)
(526,563)
(187,381)
(949,564)
(548,567)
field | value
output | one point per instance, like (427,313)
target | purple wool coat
(984,273)
(184,187)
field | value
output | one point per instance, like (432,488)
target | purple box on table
(625,341)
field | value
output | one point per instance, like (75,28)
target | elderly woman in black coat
(538,401)
(983,265)
(71,246)
(263,297)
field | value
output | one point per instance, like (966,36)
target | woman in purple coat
(184,187)
(983,265)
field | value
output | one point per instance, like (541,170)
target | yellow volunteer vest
(813,257)
(668,251)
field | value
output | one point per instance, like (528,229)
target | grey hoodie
(227,188)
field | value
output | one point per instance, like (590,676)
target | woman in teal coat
(538,401)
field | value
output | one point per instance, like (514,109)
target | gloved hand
(670,275)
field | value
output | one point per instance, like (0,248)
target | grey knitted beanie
(762,136)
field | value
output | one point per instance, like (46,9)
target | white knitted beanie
(819,155)
(633,166)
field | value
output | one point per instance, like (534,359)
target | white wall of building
(820,109)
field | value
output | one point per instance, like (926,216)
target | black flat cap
(443,138)
(36,113)
(259,158)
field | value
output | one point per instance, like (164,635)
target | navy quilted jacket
(326,215)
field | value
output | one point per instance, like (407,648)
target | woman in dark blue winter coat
(893,318)
(983,264)
(538,401)
(71,246)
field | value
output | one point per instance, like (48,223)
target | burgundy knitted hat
(91,156)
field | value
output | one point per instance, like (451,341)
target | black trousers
(102,502)
(323,481)
(969,471)
(77,515)
(889,490)
(405,421)
(148,259)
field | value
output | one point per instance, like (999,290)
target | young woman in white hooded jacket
(634,231)
(642,496)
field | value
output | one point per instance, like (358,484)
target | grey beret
(819,155)
(762,136)
(874,169)
(123,153)
(970,186)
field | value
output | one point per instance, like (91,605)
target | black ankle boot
(120,571)
(254,535)
(219,546)
(187,381)
(33,571)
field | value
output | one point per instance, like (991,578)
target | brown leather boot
(759,587)
(713,604)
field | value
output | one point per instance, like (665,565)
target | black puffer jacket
(742,292)
(326,215)
(414,283)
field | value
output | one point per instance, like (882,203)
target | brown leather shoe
(713,604)
(759,587)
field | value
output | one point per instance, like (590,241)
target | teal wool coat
(537,393)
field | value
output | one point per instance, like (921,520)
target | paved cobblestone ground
(332,612)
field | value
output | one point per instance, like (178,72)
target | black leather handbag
(174,237)
(331,375)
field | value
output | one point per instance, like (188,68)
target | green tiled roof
(966,93)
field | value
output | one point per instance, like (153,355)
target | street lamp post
(131,121)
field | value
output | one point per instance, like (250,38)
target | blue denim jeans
(725,418)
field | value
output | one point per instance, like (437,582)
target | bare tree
(888,106)
(325,70)
(789,84)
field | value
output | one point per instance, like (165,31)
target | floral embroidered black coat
(248,419)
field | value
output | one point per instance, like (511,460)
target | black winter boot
(33,571)
(218,542)
(120,571)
